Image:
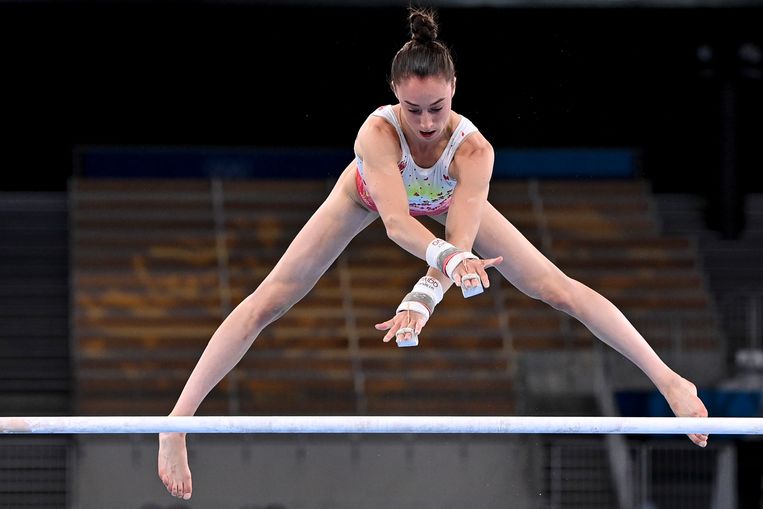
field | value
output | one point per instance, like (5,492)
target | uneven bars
(382,424)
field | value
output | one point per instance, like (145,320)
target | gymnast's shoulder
(475,154)
(376,135)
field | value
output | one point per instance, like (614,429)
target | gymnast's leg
(532,273)
(310,254)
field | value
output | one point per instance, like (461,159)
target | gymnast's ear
(394,89)
(453,88)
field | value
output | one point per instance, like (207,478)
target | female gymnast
(416,157)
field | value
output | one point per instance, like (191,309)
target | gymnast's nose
(427,122)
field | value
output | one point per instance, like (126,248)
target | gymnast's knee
(261,312)
(560,293)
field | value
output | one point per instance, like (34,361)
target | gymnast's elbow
(394,224)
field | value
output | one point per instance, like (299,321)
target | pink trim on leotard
(365,197)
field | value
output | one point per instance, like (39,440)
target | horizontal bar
(382,424)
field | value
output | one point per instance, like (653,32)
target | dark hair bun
(423,26)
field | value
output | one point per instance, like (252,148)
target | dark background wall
(251,75)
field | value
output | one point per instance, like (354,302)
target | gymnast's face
(425,105)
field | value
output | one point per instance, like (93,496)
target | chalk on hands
(473,290)
(400,337)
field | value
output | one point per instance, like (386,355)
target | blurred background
(158,157)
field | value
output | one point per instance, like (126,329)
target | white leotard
(429,189)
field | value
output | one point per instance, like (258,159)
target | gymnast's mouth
(427,134)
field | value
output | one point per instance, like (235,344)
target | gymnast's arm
(472,168)
(474,163)
(377,145)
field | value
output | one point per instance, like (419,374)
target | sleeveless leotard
(429,189)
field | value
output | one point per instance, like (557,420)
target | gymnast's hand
(681,395)
(416,308)
(471,272)
(403,322)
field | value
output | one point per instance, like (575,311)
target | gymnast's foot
(173,465)
(681,395)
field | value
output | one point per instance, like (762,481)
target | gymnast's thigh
(523,264)
(321,240)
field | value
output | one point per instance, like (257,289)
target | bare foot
(173,465)
(681,395)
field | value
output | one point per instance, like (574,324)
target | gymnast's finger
(405,333)
(393,325)
(411,325)
(390,334)
(492,262)
(418,324)
(459,273)
(482,273)
(385,325)
(468,280)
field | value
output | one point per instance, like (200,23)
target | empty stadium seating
(159,263)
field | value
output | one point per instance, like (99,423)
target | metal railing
(680,475)
(33,472)
(662,474)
